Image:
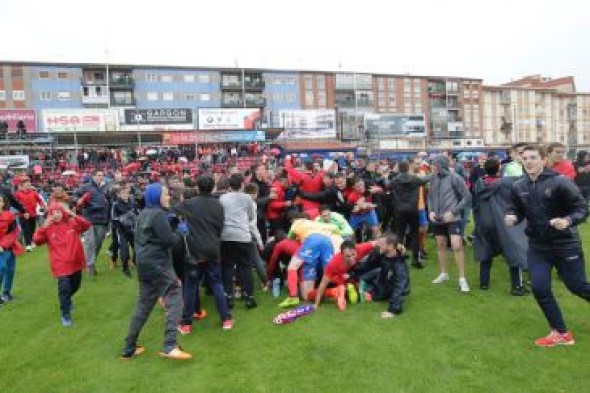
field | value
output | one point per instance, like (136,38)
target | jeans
(7,270)
(569,261)
(93,239)
(190,291)
(405,220)
(114,247)
(236,254)
(28,226)
(125,240)
(167,287)
(67,286)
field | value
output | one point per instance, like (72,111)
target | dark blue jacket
(96,207)
(550,196)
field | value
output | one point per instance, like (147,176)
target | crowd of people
(345,230)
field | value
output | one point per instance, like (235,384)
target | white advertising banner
(229,119)
(79,120)
(302,124)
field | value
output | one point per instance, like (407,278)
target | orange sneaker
(185,330)
(341,300)
(201,315)
(177,354)
(555,338)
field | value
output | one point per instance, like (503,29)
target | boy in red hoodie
(30,199)
(9,248)
(62,232)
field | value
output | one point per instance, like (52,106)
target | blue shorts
(356,220)
(315,252)
(422,219)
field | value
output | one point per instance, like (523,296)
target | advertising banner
(14,162)
(185,138)
(229,119)
(385,125)
(308,124)
(13,116)
(159,116)
(79,120)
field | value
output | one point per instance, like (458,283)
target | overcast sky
(495,40)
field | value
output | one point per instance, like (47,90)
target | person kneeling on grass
(61,232)
(384,275)
(153,240)
(336,272)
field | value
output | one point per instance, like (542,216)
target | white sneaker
(441,278)
(463,286)
(29,249)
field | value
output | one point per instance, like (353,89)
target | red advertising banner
(13,116)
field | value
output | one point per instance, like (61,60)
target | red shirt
(353,197)
(335,270)
(29,199)
(284,247)
(565,168)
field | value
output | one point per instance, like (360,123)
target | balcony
(95,100)
(232,82)
(122,101)
(123,82)
(92,82)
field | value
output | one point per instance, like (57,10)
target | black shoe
(418,265)
(230,302)
(483,287)
(519,291)
(251,303)
(423,254)
(127,273)
(92,270)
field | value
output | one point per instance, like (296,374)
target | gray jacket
(448,191)
(238,211)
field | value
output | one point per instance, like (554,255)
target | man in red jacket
(30,200)
(308,181)
(62,232)
(276,208)
(558,162)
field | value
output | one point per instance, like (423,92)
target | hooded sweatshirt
(66,254)
(448,191)
(154,237)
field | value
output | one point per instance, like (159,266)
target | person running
(553,207)
(153,240)
(61,232)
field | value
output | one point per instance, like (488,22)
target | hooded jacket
(154,237)
(9,232)
(550,196)
(406,191)
(66,254)
(29,199)
(94,201)
(448,191)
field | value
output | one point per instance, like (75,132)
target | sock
(292,282)
(421,239)
(332,292)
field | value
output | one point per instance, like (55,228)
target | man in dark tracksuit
(204,217)
(406,190)
(384,274)
(153,240)
(553,206)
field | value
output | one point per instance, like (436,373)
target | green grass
(444,342)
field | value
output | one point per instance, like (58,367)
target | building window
(204,78)
(321,82)
(168,96)
(166,78)
(64,95)
(151,77)
(309,98)
(289,80)
(322,100)
(17,72)
(43,74)
(44,95)
(62,75)
(18,95)
(152,96)
(277,97)
(205,97)
(2,95)
(391,84)
(289,97)
(308,81)
(189,96)
(189,78)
